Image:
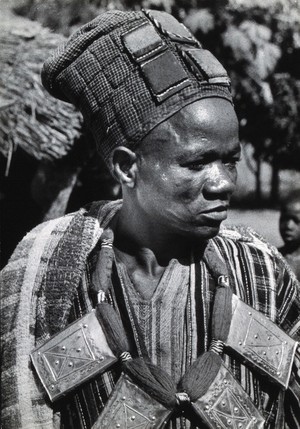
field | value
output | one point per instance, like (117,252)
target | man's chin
(205,232)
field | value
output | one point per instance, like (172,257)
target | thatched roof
(44,127)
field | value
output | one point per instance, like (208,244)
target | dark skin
(289,225)
(176,189)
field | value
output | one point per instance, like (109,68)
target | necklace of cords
(149,377)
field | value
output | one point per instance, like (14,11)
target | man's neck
(149,244)
(146,249)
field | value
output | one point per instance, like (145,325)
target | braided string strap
(100,283)
(149,377)
(222,313)
(198,378)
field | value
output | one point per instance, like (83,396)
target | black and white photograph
(150,214)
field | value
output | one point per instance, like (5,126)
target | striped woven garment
(45,286)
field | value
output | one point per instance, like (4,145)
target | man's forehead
(195,131)
(207,114)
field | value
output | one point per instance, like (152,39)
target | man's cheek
(187,196)
(188,190)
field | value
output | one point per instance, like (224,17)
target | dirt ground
(265,222)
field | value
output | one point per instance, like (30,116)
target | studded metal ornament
(261,343)
(73,356)
(129,407)
(227,406)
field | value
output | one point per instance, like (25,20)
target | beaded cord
(216,346)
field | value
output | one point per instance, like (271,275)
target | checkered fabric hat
(129,71)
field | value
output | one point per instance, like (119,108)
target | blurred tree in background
(257,41)
(259,44)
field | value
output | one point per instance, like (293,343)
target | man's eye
(232,162)
(196,166)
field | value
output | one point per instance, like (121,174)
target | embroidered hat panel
(129,71)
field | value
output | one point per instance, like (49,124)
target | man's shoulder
(241,243)
(243,236)
(37,238)
(47,227)
(248,237)
(78,228)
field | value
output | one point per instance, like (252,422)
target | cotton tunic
(46,286)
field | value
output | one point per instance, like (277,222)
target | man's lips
(215,209)
(218,213)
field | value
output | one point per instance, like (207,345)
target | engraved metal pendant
(227,406)
(73,356)
(129,407)
(261,343)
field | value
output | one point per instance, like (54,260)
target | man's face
(187,169)
(289,223)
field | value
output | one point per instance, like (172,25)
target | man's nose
(219,181)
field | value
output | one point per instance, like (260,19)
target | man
(289,226)
(169,286)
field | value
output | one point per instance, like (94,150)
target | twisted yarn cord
(198,378)
(222,313)
(202,372)
(101,275)
(149,377)
(200,375)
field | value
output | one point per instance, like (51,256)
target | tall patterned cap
(129,71)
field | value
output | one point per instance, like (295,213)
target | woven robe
(45,286)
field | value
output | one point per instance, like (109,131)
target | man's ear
(123,166)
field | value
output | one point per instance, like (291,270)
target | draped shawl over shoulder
(38,288)
(43,280)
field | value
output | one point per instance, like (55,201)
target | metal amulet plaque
(129,407)
(226,405)
(72,356)
(261,343)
